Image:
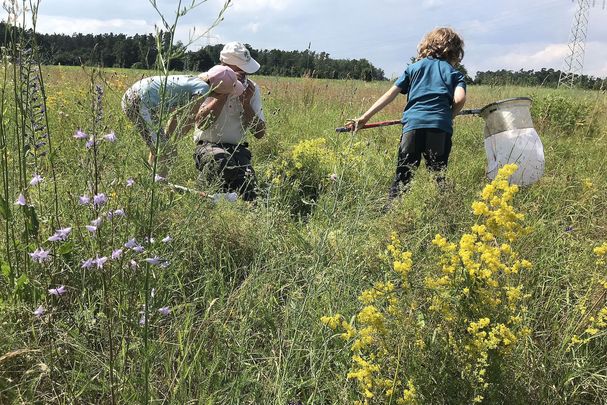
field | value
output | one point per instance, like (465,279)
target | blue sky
(511,34)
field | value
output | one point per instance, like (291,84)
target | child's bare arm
(459,99)
(210,110)
(182,119)
(381,102)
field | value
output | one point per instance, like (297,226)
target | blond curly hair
(442,43)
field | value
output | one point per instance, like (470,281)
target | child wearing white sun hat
(178,97)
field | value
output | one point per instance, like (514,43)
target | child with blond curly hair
(436,92)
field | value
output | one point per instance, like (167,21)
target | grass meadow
(221,303)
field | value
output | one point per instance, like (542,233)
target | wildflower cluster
(307,163)
(473,319)
(477,294)
(595,322)
(375,365)
(312,166)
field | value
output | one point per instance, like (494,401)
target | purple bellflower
(155,261)
(87,264)
(37,179)
(100,261)
(57,292)
(39,311)
(99,199)
(116,254)
(111,137)
(80,135)
(21,200)
(60,234)
(40,255)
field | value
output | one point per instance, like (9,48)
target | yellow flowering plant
(465,319)
(309,166)
(594,323)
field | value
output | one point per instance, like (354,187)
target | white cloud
(432,3)
(245,6)
(253,27)
(550,55)
(67,25)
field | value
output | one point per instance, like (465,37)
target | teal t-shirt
(178,91)
(429,84)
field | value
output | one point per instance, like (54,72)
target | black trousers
(433,144)
(231,164)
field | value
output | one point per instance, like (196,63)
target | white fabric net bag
(511,138)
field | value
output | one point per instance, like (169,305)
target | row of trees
(140,51)
(543,77)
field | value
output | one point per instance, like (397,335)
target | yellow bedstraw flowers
(461,321)
(596,321)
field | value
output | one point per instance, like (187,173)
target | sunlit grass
(247,285)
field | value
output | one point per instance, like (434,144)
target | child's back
(430,84)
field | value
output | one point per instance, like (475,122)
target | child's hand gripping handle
(351,126)
(469,112)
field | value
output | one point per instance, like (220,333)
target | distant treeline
(140,51)
(543,77)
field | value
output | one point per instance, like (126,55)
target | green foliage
(561,113)
(246,284)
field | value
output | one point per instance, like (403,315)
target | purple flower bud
(138,249)
(40,255)
(21,200)
(96,222)
(54,238)
(117,213)
(164,311)
(99,199)
(87,264)
(39,311)
(84,200)
(158,178)
(37,179)
(130,182)
(90,143)
(80,135)
(57,292)
(133,264)
(91,228)
(111,137)
(116,254)
(167,239)
(154,260)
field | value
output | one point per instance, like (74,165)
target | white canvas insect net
(511,138)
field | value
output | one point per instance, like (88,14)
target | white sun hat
(236,54)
